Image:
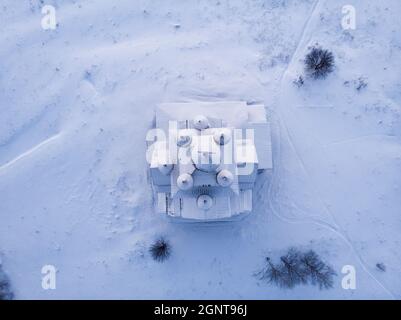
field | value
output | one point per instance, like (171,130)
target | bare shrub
(293,270)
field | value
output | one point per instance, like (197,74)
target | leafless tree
(270,273)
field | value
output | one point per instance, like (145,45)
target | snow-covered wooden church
(204,158)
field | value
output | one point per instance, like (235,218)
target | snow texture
(76,103)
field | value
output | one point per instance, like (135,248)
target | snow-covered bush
(319,62)
(160,250)
(5,287)
(296,267)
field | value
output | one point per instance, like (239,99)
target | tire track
(28,153)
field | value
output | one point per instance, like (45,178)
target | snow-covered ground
(76,103)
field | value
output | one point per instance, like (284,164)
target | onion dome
(204,202)
(185,181)
(222,136)
(225,178)
(201,122)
